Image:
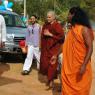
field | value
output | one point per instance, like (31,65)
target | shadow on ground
(5,80)
(4,68)
(56,90)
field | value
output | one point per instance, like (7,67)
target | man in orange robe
(77,51)
(52,38)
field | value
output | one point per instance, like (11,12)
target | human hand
(82,69)
(81,72)
(47,33)
(53,60)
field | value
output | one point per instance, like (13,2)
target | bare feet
(50,85)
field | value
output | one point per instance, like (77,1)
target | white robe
(2,29)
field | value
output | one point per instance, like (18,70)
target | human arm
(57,31)
(55,57)
(89,45)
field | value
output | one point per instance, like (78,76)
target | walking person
(2,31)
(52,37)
(2,34)
(77,51)
(32,42)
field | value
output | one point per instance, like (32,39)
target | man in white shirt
(32,42)
(2,31)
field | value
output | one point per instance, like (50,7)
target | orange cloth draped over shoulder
(74,52)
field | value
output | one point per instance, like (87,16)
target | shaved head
(51,16)
(52,13)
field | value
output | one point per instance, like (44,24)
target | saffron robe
(74,52)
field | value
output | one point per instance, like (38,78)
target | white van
(16,30)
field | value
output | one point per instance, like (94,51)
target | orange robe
(74,52)
(50,47)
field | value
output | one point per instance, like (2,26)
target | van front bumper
(11,48)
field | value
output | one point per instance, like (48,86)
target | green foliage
(61,7)
(17,7)
(39,7)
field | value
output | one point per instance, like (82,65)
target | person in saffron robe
(77,51)
(52,38)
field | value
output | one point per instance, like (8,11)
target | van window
(8,19)
(19,22)
(13,20)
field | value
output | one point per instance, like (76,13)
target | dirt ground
(13,83)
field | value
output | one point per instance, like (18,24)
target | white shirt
(2,29)
(33,35)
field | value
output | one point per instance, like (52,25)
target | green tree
(17,7)
(61,7)
(89,6)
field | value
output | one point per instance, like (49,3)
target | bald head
(51,16)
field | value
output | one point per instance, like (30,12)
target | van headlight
(10,38)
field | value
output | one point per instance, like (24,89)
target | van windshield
(13,20)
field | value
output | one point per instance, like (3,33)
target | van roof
(7,12)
